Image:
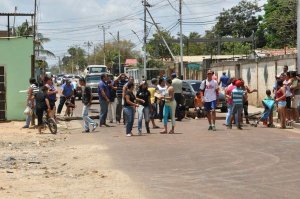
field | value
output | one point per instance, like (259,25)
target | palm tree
(25,30)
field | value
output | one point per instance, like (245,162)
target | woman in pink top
(228,91)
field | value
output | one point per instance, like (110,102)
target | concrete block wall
(257,74)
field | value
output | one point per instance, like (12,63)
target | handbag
(28,110)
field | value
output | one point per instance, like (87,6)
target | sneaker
(95,126)
(128,135)
(239,128)
(140,133)
(214,128)
(86,131)
(196,118)
(25,127)
(210,128)
(229,127)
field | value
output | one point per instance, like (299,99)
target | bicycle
(50,122)
(70,106)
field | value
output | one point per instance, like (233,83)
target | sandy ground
(52,166)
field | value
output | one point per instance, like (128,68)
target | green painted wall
(15,55)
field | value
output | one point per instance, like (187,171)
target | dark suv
(92,80)
(191,87)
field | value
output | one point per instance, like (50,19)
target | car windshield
(196,86)
(97,70)
(93,79)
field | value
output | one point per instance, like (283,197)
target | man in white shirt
(209,94)
(177,85)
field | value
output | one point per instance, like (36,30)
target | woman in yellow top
(153,100)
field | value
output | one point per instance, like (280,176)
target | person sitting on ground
(198,106)
(42,105)
(237,96)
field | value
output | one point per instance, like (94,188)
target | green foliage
(239,21)
(280,23)
(76,57)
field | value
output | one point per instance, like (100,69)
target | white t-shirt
(210,93)
(162,90)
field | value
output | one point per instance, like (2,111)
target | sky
(75,22)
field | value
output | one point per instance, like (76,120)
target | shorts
(237,108)
(282,103)
(210,106)
(296,101)
(288,102)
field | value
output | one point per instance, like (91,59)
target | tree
(157,49)
(280,23)
(76,57)
(239,21)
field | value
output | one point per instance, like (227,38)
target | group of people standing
(154,101)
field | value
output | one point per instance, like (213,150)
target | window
(93,79)
(97,70)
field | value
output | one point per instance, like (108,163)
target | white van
(96,69)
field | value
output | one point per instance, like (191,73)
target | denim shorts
(210,106)
(282,103)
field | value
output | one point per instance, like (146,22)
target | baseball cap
(238,83)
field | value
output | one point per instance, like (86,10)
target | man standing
(237,96)
(224,81)
(209,88)
(87,101)
(67,92)
(104,95)
(51,95)
(177,85)
(119,83)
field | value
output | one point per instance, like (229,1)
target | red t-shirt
(228,92)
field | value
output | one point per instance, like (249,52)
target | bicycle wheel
(52,125)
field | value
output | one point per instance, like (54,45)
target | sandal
(171,132)
(163,132)
(156,127)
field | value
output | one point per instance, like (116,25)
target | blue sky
(74,22)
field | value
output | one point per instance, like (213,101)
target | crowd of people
(162,100)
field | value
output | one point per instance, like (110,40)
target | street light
(118,40)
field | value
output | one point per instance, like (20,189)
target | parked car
(59,81)
(191,87)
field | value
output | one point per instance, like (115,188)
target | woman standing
(32,90)
(143,98)
(129,108)
(281,102)
(170,107)
(162,90)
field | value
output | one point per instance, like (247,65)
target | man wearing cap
(209,91)
(177,85)
(237,96)
(67,92)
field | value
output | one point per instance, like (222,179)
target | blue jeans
(229,113)
(143,112)
(86,119)
(103,111)
(129,112)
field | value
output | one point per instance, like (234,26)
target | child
(198,106)
(269,98)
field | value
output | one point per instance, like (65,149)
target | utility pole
(119,52)
(89,45)
(145,37)
(94,54)
(34,42)
(181,40)
(59,69)
(104,50)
